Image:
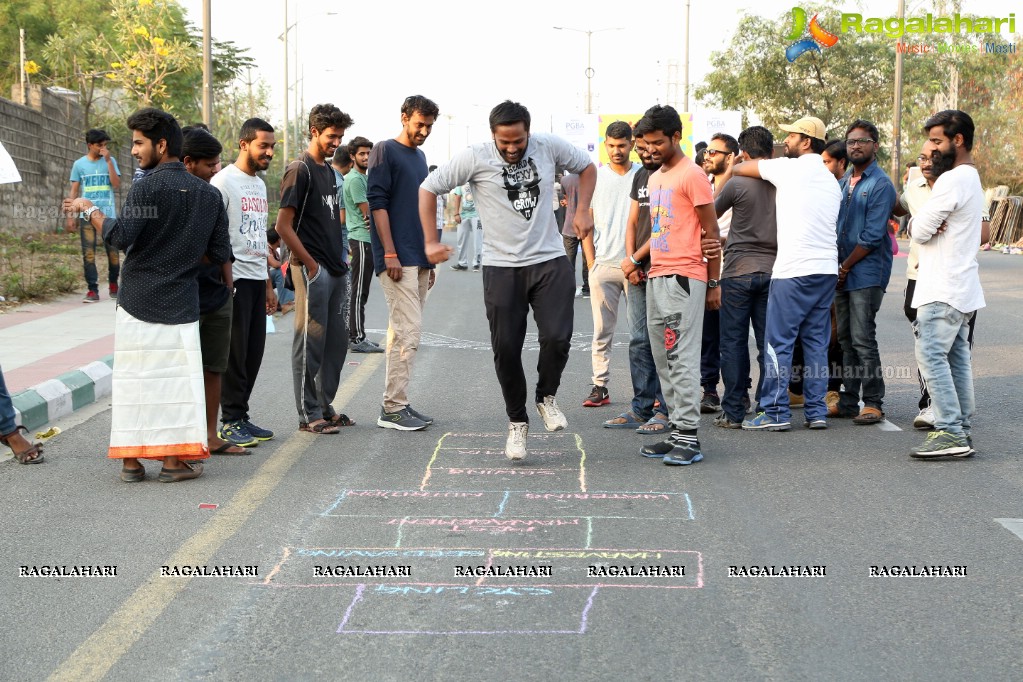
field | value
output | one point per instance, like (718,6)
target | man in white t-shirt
(244,196)
(948,291)
(604,250)
(804,275)
(524,261)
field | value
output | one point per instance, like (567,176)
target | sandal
(133,475)
(341,419)
(182,474)
(31,455)
(322,427)
(656,424)
(869,415)
(225,449)
(626,420)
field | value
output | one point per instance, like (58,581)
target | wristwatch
(87,213)
(712,284)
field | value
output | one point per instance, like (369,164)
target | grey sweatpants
(320,346)
(674,306)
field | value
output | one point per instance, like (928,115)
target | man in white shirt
(604,251)
(804,275)
(948,291)
(244,196)
(524,261)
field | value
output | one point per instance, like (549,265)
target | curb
(56,398)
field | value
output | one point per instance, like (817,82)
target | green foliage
(855,79)
(39,266)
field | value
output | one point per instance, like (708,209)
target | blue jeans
(283,295)
(7,423)
(943,354)
(797,307)
(743,302)
(861,359)
(646,387)
(90,238)
(710,351)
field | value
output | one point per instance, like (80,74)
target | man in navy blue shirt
(396,169)
(865,265)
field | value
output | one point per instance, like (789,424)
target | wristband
(634,261)
(390,255)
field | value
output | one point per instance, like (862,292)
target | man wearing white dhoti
(170,221)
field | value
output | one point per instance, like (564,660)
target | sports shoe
(942,444)
(365,346)
(459,267)
(971,452)
(113,291)
(762,422)
(402,420)
(419,415)
(257,432)
(796,400)
(586,293)
(91,297)
(553,418)
(657,450)
(476,268)
(598,396)
(710,403)
(725,423)
(235,433)
(515,446)
(684,453)
(816,424)
(924,420)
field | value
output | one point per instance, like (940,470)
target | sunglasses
(714,152)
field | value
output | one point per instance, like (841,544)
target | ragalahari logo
(817,38)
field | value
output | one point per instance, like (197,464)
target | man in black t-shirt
(309,222)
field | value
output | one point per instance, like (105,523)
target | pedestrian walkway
(56,356)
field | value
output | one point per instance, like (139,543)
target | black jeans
(508,294)
(248,339)
(571,249)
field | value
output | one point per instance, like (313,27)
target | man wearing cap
(804,275)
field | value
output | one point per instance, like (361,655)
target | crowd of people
(798,248)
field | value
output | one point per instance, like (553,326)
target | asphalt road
(847,499)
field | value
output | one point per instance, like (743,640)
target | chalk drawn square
(468,610)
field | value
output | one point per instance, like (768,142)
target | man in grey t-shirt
(749,257)
(524,262)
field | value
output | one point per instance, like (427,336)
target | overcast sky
(468,56)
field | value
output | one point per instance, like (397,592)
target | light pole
(589,54)
(288,83)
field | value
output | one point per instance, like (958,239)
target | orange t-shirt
(675,229)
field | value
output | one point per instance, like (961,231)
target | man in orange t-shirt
(681,282)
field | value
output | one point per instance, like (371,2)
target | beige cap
(809,126)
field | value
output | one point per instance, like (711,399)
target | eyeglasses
(858,142)
(714,152)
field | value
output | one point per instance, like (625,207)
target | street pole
(589,72)
(685,63)
(897,112)
(287,130)
(207,65)
(21,69)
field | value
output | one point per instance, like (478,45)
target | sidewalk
(57,356)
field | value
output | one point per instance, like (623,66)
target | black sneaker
(710,403)
(402,420)
(586,293)
(657,450)
(598,396)
(684,453)
(419,415)
(459,267)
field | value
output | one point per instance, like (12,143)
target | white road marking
(1013,525)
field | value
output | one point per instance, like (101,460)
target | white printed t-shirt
(948,271)
(513,200)
(244,198)
(807,203)
(610,206)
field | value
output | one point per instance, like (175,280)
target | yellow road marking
(100,652)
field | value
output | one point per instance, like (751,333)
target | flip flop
(26,455)
(321,428)
(626,420)
(656,424)
(341,419)
(225,449)
(183,474)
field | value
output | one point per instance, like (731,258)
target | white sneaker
(553,418)
(924,420)
(515,446)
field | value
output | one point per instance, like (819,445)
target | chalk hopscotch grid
(539,436)
(583,623)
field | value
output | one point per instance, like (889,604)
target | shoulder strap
(301,211)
